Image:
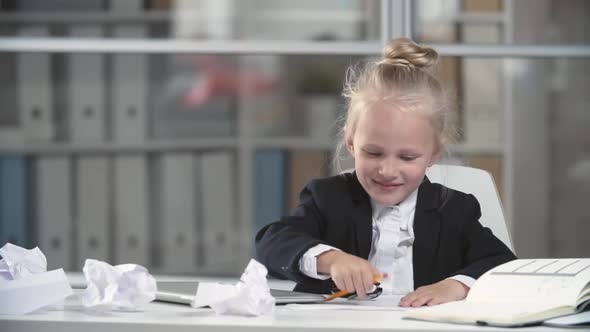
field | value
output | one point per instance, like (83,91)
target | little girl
(386,219)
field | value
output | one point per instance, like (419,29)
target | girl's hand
(349,272)
(443,291)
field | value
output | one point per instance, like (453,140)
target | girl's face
(391,151)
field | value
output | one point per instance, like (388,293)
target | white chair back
(480,184)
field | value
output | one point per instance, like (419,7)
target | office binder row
(173,212)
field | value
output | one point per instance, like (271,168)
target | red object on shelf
(215,78)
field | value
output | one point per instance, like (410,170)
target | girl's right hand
(349,272)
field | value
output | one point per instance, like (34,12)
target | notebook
(183,292)
(518,293)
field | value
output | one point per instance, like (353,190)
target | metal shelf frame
(237,47)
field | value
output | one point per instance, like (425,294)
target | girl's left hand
(443,291)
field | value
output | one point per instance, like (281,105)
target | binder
(34,91)
(129,93)
(131,225)
(177,222)
(10,123)
(127,6)
(54,210)
(219,225)
(161,4)
(270,186)
(129,90)
(57,6)
(87,125)
(92,178)
(129,85)
(304,165)
(13,200)
(86,90)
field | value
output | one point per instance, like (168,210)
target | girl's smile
(388,186)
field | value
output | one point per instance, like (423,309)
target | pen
(343,293)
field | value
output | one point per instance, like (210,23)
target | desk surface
(158,317)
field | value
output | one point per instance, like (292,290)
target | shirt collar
(406,206)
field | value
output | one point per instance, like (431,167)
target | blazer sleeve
(482,249)
(281,244)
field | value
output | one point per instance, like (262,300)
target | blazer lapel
(361,216)
(426,233)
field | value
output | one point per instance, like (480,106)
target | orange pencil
(377,279)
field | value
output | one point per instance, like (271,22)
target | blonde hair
(402,78)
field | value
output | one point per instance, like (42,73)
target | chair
(480,184)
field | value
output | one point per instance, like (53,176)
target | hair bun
(405,52)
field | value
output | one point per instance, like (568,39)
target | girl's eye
(373,154)
(408,158)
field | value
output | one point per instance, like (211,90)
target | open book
(517,293)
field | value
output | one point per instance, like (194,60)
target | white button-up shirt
(391,248)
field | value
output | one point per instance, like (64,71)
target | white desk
(159,317)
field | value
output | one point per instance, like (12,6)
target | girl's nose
(388,169)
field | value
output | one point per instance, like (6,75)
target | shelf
(245,47)
(158,145)
(155,16)
(467,149)
(114,147)
(305,16)
(302,143)
(165,145)
(164,16)
(183,46)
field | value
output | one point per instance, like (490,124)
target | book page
(556,282)
(580,319)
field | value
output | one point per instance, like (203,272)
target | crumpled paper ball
(249,297)
(119,287)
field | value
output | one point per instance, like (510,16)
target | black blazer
(336,211)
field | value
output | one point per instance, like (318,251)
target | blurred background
(167,132)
